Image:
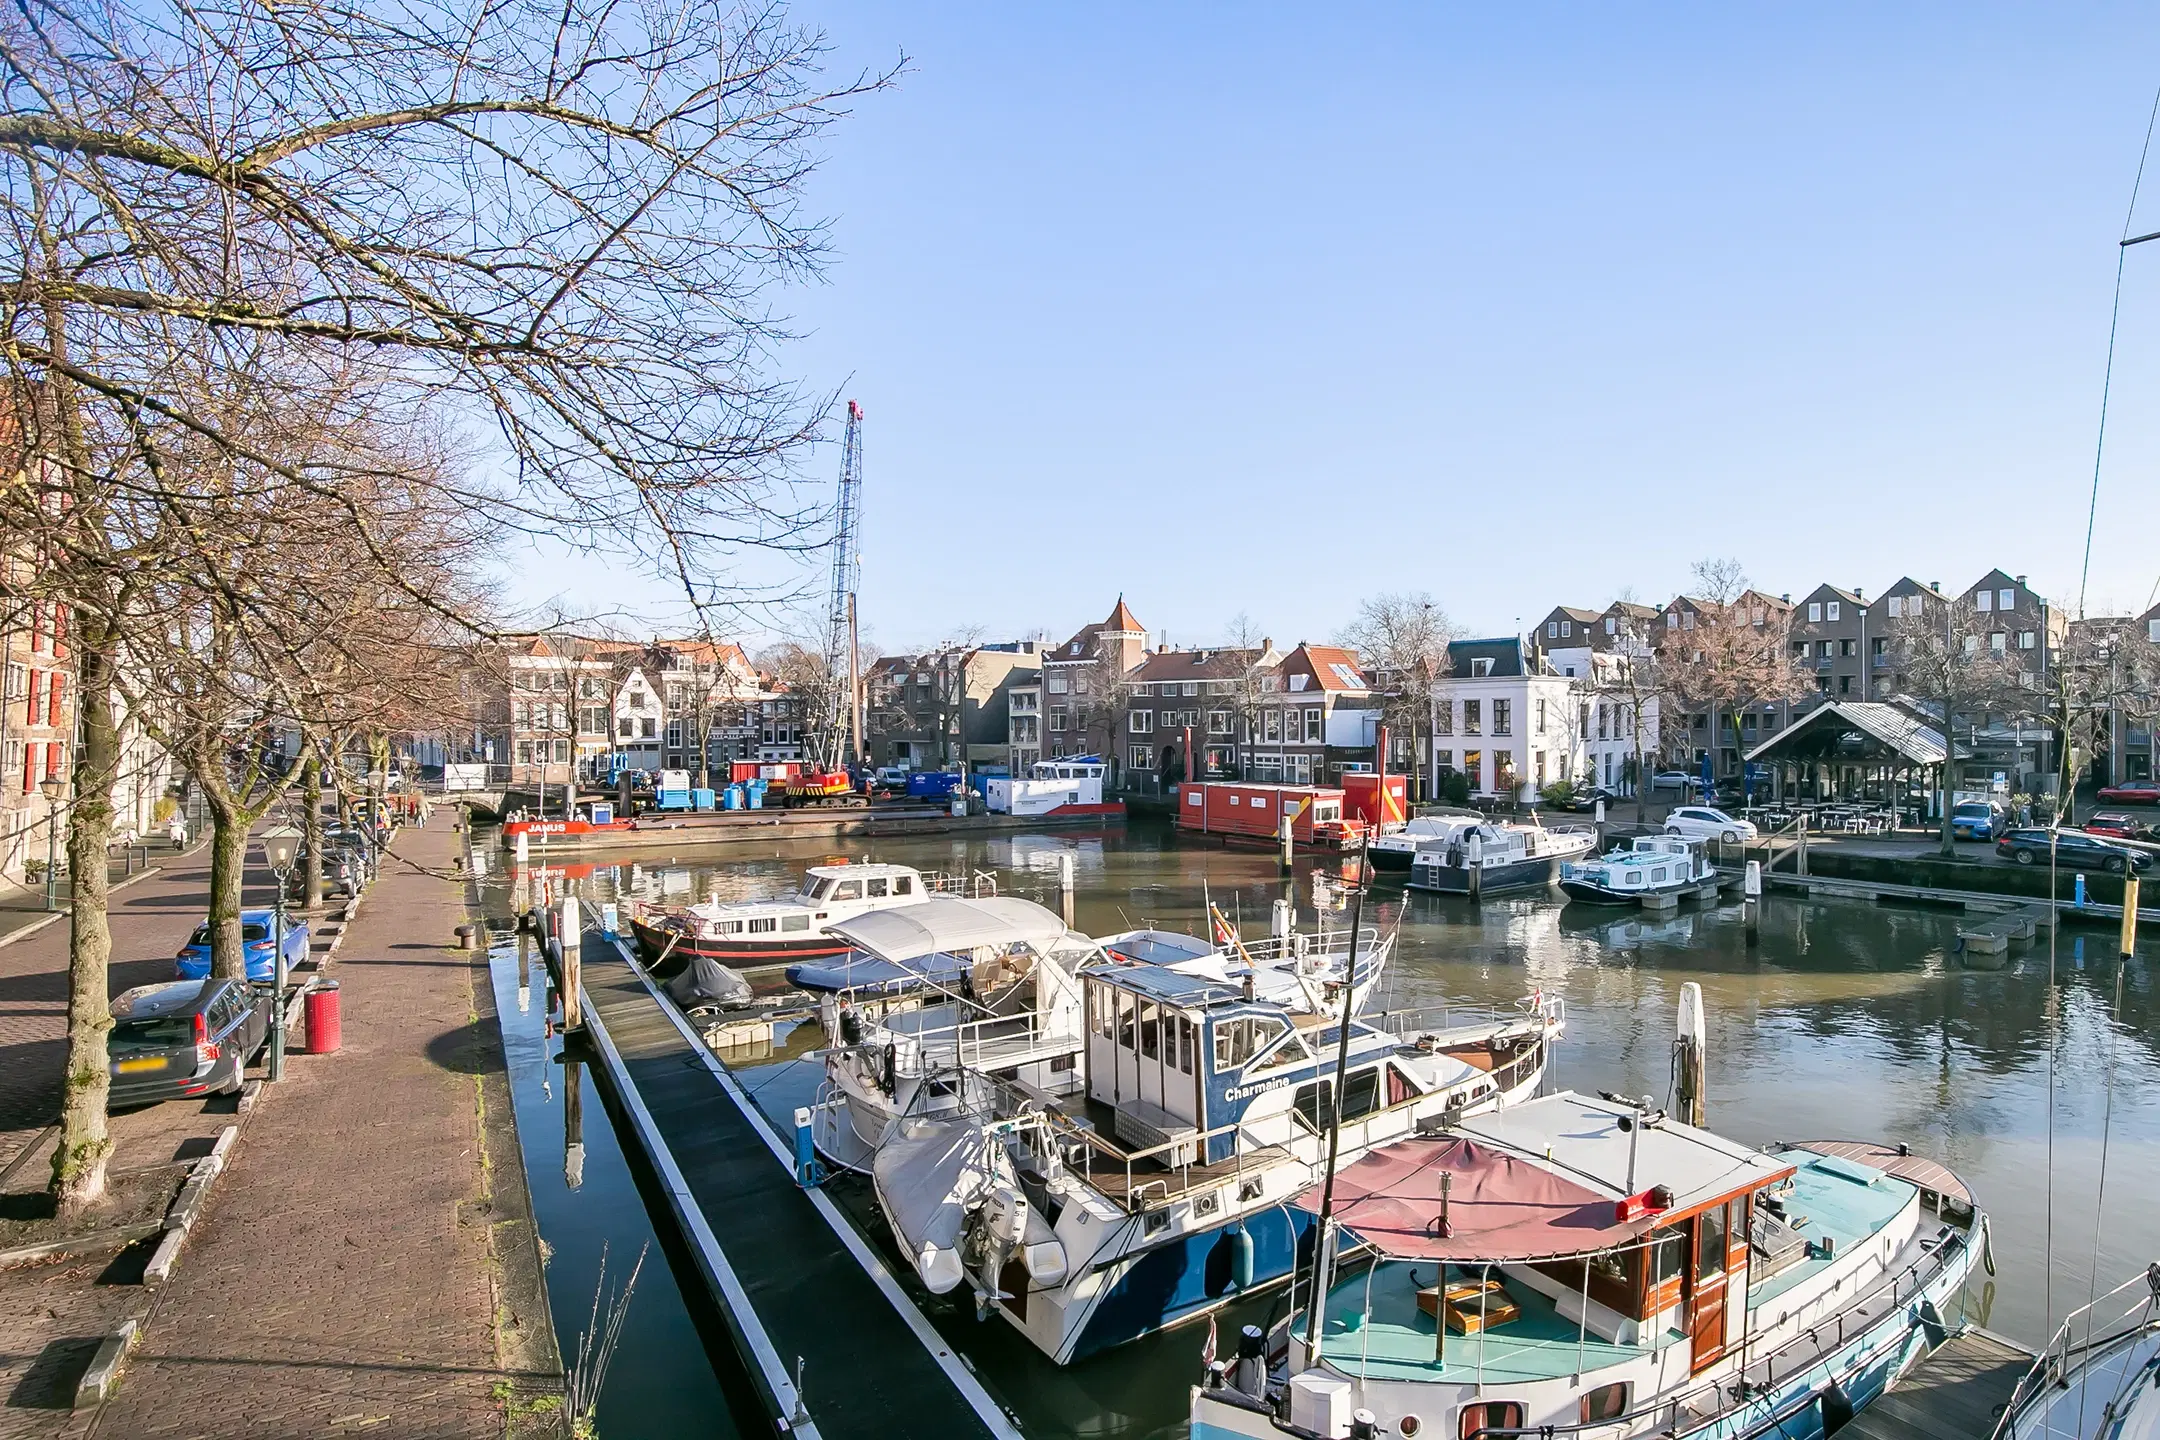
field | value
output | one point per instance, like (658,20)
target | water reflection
(1845,1020)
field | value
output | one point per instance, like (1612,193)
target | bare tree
(1735,658)
(1643,687)
(1402,638)
(1941,653)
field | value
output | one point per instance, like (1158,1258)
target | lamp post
(281,844)
(52,787)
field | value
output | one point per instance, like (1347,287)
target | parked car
(1978,820)
(1679,780)
(2132,792)
(183,1038)
(1587,800)
(2121,824)
(1703,820)
(2072,847)
(261,956)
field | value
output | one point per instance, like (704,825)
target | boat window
(1607,1402)
(875,889)
(1490,1415)
(848,890)
(1664,1257)
(1148,1029)
(814,888)
(1124,1019)
(1292,1051)
(1399,1087)
(1657,874)
(903,885)
(731,927)
(1316,1104)
(1361,1093)
(795,922)
(1710,1243)
(1736,1221)
(1237,1041)
(1188,1043)
(764,927)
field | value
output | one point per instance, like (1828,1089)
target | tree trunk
(311,875)
(1947,842)
(1642,779)
(228,874)
(78,1175)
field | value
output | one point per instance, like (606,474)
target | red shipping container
(1219,807)
(1365,799)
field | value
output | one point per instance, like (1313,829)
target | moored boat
(1652,865)
(2099,1378)
(1580,1266)
(1478,857)
(782,929)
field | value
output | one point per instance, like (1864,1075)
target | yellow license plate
(130,1067)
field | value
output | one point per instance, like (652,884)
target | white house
(1506,720)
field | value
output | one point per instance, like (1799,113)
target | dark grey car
(183,1039)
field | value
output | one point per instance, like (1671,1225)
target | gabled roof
(1334,669)
(1831,592)
(1085,644)
(1175,665)
(1891,726)
(1505,653)
(1572,612)
(1633,608)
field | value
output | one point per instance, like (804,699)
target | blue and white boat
(1652,865)
(1478,857)
(1162,1190)
(2099,1378)
(1586,1267)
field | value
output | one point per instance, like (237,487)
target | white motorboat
(1161,1194)
(1479,857)
(1651,865)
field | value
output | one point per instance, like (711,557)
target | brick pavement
(341,1281)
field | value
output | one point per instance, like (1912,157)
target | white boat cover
(928,1174)
(947,923)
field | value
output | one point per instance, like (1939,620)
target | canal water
(1846,1020)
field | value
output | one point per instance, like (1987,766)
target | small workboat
(783,929)
(1652,865)
(1590,1266)
(1479,857)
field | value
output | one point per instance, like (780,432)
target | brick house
(37,722)
(1220,693)
(933,710)
(1084,684)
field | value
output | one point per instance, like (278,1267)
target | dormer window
(1075,647)
(1298,682)
(1481,666)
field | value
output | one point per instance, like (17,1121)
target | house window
(1141,757)
(1985,600)
(1143,722)
(1299,769)
(1481,665)
(1058,716)
(1612,626)
(1830,611)
(1444,718)
(1999,642)
(1602,712)
(1271,726)
(2152,631)
(648,728)
(1473,717)
(1687,621)
(1814,613)
(674,734)
(2027,639)
(1541,717)
(625,727)
(1552,629)
(1845,647)
(2006,600)
(1897,606)
(1299,682)
(1672,619)
(1567,628)
(1972,644)
(1313,730)
(1058,684)
(1503,720)
(1443,759)
(1218,722)
(1823,649)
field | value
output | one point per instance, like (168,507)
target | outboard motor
(1249,1376)
(1005,1221)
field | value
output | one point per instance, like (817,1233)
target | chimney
(1858,593)
(1936,586)
(2021,582)
(1786,597)
(1267,643)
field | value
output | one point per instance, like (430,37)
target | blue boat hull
(1534,874)
(1191,1275)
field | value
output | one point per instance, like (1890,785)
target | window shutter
(55,709)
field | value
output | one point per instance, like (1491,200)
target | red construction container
(1226,807)
(325,1023)
(776,771)
(1364,798)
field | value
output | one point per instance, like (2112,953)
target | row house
(715,709)
(1215,692)
(553,715)
(935,710)
(1505,720)
(37,726)
(1084,687)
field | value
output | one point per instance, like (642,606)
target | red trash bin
(325,1025)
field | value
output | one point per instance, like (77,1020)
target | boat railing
(990,1040)
(1441,1019)
(2052,1366)
(968,884)
(1309,945)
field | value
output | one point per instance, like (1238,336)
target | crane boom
(841,723)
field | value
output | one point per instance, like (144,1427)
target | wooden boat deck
(1163,1184)
(1956,1393)
(782,1262)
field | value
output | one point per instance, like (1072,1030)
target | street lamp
(281,846)
(52,787)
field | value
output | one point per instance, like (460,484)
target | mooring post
(1284,827)
(1751,907)
(1065,886)
(573,1123)
(1473,853)
(569,938)
(1600,829)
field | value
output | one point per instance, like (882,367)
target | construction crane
(842,721)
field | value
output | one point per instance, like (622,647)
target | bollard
(1473,852)
(1600,822)
(1065,887)
(808,1173)
(1751,907)
(571,937)
(524,848)
(468,937)
(1284,828)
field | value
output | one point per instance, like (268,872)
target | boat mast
(1318,1303)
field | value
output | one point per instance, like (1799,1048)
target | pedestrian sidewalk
(366,1262)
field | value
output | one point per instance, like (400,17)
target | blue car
(255,928)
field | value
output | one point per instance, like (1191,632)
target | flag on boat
(1207,1351)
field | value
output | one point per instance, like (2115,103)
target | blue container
(734,798)
(932,784)
(754,794)
(701,798)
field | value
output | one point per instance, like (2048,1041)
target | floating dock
(834,1344)
(1956,1393)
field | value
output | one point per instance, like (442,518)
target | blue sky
(1262,310)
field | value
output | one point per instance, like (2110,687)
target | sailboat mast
(1318,1303)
